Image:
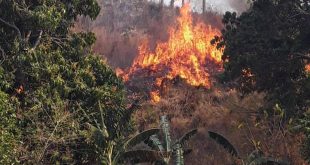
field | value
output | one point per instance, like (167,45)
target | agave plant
(254,158)
(162,151)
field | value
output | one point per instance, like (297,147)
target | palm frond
(272,161)
(187,136)
(154,142)
(267,161)
(223,142)
(140,137)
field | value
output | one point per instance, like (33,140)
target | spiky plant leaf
(144,156)
(187,136)
(223,142)
(140,137)
(154,142)
(96,135)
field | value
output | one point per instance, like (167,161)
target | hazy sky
(220,6)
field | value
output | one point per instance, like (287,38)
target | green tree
(267,48)
(56,79)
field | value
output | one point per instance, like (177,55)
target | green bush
(9,132)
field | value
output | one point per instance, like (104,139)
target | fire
(308,68)
(155,97)
(185,54)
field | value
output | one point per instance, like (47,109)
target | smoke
(123,24)
(218,6)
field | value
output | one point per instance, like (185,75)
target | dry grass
(224,112)
(121,27)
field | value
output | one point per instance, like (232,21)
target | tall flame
(185,54)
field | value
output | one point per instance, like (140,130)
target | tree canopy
(59,85)
(267,49)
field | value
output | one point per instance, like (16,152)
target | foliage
(254,158)
(112,151)
(56,78)
(267,48)
(224,142)
(161,150)
(303,125)
(9,132)
(305,149)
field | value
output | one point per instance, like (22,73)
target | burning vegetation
(62,103)
(187,54)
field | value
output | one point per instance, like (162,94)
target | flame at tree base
(186,54)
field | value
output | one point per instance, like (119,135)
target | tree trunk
(183,2)
(172,3)
(162,3)
(203,6)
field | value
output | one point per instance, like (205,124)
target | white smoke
(219,6)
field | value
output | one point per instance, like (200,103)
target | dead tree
(172,3)
(162,3)
(203,6)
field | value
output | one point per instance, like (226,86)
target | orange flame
(308,68)
(155,97)
(185,54)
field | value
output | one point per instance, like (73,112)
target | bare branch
(37,41)
(302,11)
(3,55)
(12,26)
(28,35)
(303,56)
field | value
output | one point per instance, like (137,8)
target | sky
(220,6)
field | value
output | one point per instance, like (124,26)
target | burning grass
(168,64)
(185,54)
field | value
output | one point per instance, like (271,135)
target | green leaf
(223,142)
(154,142)
(97,135)
(140,137)
(128,112)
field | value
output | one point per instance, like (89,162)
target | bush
(9,132)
